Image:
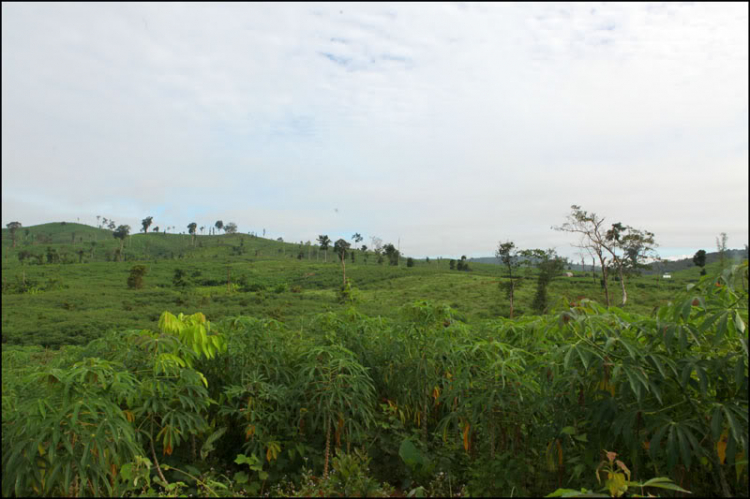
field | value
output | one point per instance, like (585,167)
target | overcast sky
(449,126)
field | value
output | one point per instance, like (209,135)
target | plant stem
(328,448)
(153,452)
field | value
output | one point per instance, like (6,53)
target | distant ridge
(736,255)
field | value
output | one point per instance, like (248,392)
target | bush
(179,279)
(410,262)
(135,280)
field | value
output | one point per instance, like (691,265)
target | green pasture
(69,288)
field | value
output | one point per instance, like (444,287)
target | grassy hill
(63,285)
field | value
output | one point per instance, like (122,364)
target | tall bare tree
(721,247)
(507,254)
(593,237)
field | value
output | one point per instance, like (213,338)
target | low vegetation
(406,380)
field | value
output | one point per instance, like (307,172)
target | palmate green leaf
(653,388)
(683,339)
(708,322)
(739,324)
(672,448)
(733,424)
(662,483)
(634,384)
(669,336)
(684,447)
(566,361)
(686,373)
(716,425)
(739,371)
(703,379)
(208,445)
(655,360)
(687,306)
(721,330)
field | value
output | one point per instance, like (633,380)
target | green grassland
(85,294)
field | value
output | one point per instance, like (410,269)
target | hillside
(63,283)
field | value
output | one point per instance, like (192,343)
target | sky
(445,128)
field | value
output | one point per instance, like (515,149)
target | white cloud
(451,126)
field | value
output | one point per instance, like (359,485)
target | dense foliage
(423,402)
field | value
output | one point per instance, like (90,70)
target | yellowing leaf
(249,432)
(721,446)
(559,452)
(467,443)
(617,484)
(129,416)
(273,450)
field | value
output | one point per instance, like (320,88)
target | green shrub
(135,279)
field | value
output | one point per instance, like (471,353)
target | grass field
(70,289)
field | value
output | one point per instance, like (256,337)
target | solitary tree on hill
(721,247)
(589,226)
(377,244)
(230,228)
(146,222)
(699,259)
(340,248)
(507,253)
(392,253)
(219,224)
(121,233)
(634,246)
(191,229)
(550,265)
(324,241)
(13,227)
